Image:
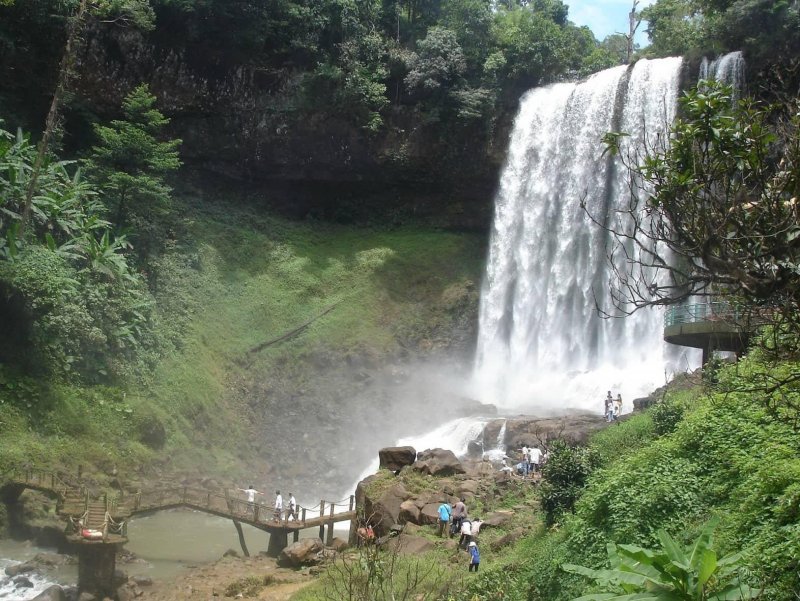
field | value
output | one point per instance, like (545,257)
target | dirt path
(212,581)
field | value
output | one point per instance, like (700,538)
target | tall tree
(136,12)
(130,163)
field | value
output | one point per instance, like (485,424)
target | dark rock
(384,512)
(395,458)
(338,544)
(438,462)
(52,593)
(22,582)
(20,568)
(231,553)
(474,449)
(409,512)
(497,519)
(508,539)
(303,552)
(406,544)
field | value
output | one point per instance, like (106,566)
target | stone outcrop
(52,593)
(438,462)
(303,552)
(407,544)
(396,458)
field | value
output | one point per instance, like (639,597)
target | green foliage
(566,474)
(666,416)
(129,164)
(691,574)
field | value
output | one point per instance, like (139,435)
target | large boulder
(384,512)
(396,458)
(303,552)
(52,593)
(406,544)
(507,539)
(409,512)
(438,462)
(497,519)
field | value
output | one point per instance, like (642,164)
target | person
(251,498)
(474,557)
(476,528)
(459,513)
(444,516)
(609,407)
(536,458)
(505,467)
(525,459)
(278,506)
(466,535)
(291,511)
(618,406)
(365,535)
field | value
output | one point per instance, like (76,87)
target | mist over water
(542,345)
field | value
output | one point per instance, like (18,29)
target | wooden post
(304,516)
(352,502)
(208,500)
(255,512)
(295,536)
(330,527)
(241,538)
(322,525)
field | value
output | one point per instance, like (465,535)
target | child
(474,557)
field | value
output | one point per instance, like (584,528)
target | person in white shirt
(617,406)
(536,458)
(526,460)
(278,506)
(291,512)
(251,498)
(466,534)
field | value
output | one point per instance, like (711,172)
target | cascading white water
(728,68)
(541,343)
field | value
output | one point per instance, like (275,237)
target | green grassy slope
(233,278)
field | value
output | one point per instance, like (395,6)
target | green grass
(234,278)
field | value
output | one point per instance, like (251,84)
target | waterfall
(541,344)
(728,69)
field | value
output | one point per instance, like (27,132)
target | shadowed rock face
(574,428)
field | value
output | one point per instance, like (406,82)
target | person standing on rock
(459,513)
(474,557)
(536,458)
(278,507)
(444,516)
(609,407)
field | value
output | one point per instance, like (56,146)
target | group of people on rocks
(278,512)
(533,458)
(460,523)
(612,407)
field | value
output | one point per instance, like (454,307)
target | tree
(714,212)
(129,163)
(137,12)
(668,574)
(674,27)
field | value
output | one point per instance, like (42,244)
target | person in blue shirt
(474,557)
(444,516)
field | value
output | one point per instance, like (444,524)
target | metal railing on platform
(702,312)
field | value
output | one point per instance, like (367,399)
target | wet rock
(22,582)
(438,462)
(395,458)
(231,553)
(303,552)
(142,580)
(20,568)
(53,593)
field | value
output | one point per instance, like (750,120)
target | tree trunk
(52,115)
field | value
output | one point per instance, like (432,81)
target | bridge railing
(226,502)
(702,312)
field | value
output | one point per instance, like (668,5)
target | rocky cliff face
(243,122)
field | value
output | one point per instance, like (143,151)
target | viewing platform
(711,326)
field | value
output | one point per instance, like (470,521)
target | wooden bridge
(105,516)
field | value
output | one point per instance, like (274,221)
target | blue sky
(605,17)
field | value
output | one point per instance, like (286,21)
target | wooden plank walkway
(76,502)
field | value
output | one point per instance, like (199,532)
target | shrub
(565,473)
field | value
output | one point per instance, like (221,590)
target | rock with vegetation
(303,552)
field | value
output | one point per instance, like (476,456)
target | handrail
(702,312)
